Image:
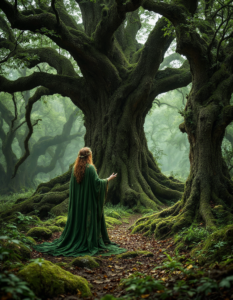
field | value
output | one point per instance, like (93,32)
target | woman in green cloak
(85,232)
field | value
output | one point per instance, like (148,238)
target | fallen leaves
(106,278)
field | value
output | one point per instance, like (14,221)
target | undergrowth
(6,201)
(192,235)
(123,211)
(189,283)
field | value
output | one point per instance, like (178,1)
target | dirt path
(106,278)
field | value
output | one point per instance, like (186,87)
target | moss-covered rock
(132,254)
(49,280)
(61,221)
(40,233)
(31,240)
(112,221)
(114,214)
(61,208)
(85,262)
(55,228)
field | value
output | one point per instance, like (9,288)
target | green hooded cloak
(85,232)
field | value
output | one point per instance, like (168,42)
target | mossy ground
(144,254)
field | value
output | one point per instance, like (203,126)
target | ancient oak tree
(204,35)
(120,79)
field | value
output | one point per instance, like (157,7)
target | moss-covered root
(168,221)
(49,280)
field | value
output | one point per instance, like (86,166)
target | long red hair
(84,157)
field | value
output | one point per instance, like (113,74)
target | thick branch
(150,60)
(50,56)
(55,11)
(170,79)
(63,85)
(173,12)
(35,23)
(111,19)
(226,116)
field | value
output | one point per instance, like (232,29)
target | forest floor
(105,279)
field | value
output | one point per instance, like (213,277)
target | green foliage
(139,284)
(123,211)
(6,201)
(24,219)
(169,29)
(144,286)
(192,235)
(10,230)
(10,284)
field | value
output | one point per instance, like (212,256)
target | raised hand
(112,176)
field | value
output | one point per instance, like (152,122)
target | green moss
(114,214)
(55,229)
(49,222)
(40,233)
(61,208)
(61,221)
(49,280)
(132,254)
(125,221)
(109,226)
(31,239)
(36,218)
(85,262)
(112,221)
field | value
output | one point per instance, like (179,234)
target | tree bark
(120,81)
(207,114)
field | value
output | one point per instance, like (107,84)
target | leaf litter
(105,279)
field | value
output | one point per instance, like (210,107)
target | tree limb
(55,11)
(170,79)
(111,19)
(64,85)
